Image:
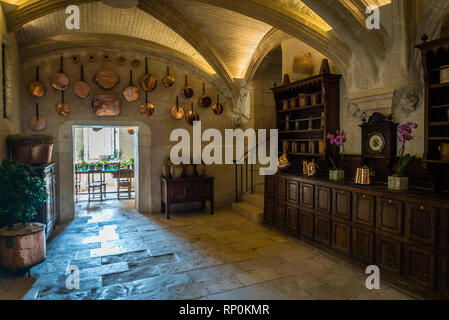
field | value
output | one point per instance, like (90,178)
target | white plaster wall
(154,132)
(11,124)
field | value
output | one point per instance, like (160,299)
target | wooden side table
(182,190)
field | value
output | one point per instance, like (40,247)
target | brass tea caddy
(363,175)
(309,168)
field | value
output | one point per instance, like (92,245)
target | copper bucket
(362,176)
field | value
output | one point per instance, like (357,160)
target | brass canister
(362,176)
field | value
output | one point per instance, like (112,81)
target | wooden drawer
(306,196)
(342,204)
(364,209)
(443,275)
(279,214)
(444,229)
(202,189)
(421,223)
(419,266)
(390,216)
(363,245)
(292,218)
(269,187)
(180,191)
(306,224)
(293,191)
(268,214)
(341,237)
(323,229)
(280,188)
(323,199)
(389,254)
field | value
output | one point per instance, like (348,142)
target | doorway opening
(104,163)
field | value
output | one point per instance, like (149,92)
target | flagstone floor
(122,254)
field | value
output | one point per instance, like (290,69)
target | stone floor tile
(205,288)
(257,276)
(215,272)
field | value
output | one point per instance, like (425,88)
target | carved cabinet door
(390,216)
(306,195)
(419,266)
(306,224)
(421,223)
(364,209)
(293,191)
(323,229)
(342,204)
(323,199)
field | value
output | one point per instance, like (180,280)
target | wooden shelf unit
(320,116)
(435,57)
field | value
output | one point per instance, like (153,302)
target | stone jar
(190,170)
(201,170)
(166,168)
(444,151)
(303,66)
(176,171)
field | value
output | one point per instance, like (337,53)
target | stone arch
(63,154)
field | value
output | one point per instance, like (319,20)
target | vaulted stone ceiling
(227,39)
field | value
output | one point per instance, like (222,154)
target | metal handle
(364,196)
(389,201)
(421,208)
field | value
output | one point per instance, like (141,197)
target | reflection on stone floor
(122,254)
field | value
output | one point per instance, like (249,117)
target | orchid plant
(403,161)
(338,139)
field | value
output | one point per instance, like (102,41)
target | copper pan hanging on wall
(146,109)
(36,88)
(131,93)
(81,88)
(37,122)
(59,80)
(218,107)
(169,80)
(192,116)
(204,101)
(106,78)
(187,92)
(62,108)
(176,111)
(148,82)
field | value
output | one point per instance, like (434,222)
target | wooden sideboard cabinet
(182,190)
(48,214)
(406,234)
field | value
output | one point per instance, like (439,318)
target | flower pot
(176,171)
(22,247)
(337,175)
(397,183)
(201,170)
(32,154)
(190,170)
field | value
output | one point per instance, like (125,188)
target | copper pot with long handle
(59,80)
(204,101)
(148,82)
(81,88)
(176,111)
(169,80)
(62,108)
(146,109)
(37,122)
(131,93)
(218,107)
(192,116)
(36,88)
(187,92)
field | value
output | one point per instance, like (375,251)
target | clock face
(376,142)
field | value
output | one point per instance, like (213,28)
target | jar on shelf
(316,99)
(304,100)
(287,122)
(297,125)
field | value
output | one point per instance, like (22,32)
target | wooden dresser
(406,234)
(48,214)
(182,190)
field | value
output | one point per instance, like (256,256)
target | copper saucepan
(81,88)
(148,82)
(204,101)
(131,93)
(146,109)
(218,107)
(59,80)
(192,116)
(36,88)
(37,122)
(169,80)
(62,108)
(187,92)
(176,111)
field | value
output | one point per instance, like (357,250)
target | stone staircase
(251,205)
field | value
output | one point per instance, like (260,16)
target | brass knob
(421,208)
(389,201)
(364,196)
